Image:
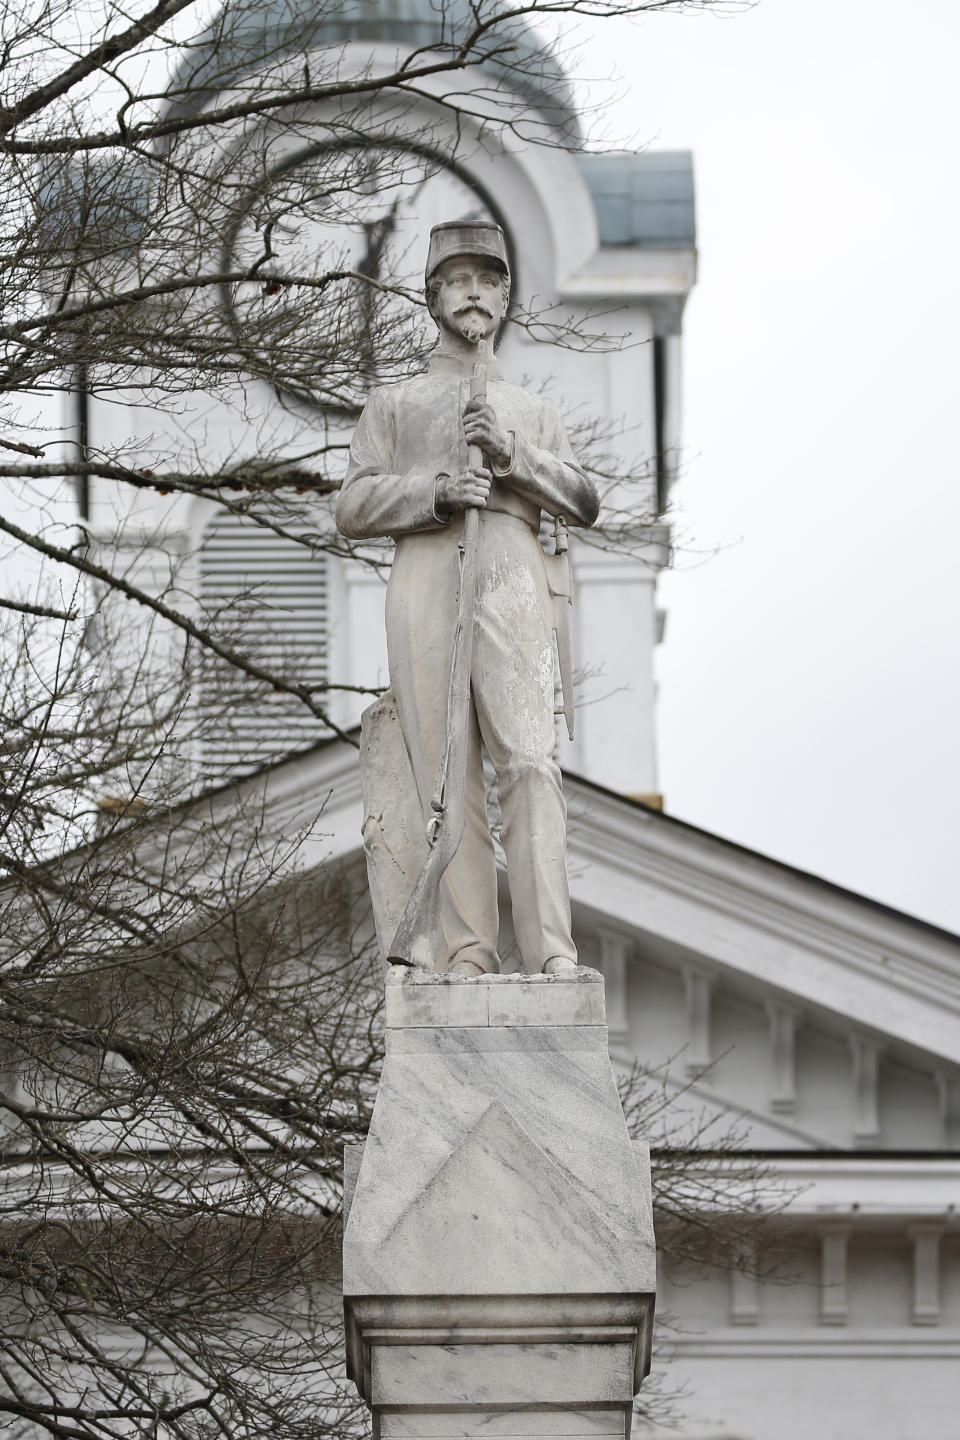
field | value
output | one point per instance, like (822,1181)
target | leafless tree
(190,1033)
(188,1036)
(189,1025)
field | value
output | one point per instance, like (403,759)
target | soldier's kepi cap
(466,237)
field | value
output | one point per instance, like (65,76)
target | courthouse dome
(246,34)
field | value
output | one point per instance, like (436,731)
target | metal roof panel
(644,200)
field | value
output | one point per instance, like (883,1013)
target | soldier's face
(470,298)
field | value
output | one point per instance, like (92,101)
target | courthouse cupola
(244,36)
(602,258)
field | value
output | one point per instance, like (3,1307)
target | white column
(11,1085)
(698,988)
(614,635)
(948,1087)
(833,1275)
(744,1289)
(364,650)
(783,1084)
(865,1055)
(925,1309)
(614,954)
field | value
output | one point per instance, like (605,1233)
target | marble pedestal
(498,1257)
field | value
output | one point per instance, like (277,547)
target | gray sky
(810,691)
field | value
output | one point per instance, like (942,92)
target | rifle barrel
(414,942)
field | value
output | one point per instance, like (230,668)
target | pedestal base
(499,1262)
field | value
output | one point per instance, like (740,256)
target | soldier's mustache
(472,307)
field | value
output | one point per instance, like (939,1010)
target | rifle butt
(415,941)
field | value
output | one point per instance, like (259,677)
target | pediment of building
(821,1018)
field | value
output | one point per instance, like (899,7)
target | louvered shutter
(269,597)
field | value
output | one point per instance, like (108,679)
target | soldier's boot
(559,965)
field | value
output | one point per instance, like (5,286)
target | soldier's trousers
(512,681)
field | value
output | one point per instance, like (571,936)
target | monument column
(499,1261)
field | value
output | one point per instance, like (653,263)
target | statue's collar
(448,366)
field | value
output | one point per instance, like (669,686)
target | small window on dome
(266,596)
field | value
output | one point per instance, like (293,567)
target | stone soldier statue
(409,478)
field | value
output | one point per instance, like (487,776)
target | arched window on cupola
(266,595)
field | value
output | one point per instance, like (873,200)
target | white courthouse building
(824,1027)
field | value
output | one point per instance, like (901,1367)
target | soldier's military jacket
(411,432)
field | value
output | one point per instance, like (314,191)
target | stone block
(501,1424)
(424,999)
(427,998)
(494,1375)
(499,1257)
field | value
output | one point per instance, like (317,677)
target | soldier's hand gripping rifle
(416,937)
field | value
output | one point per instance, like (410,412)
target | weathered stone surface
(500,1424)
(503,1001)
(499,1252)
(486,1375)
(515,1152)
(497,1170)
(394,838)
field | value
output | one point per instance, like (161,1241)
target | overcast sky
(810,692)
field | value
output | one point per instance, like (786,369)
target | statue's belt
(488,513)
